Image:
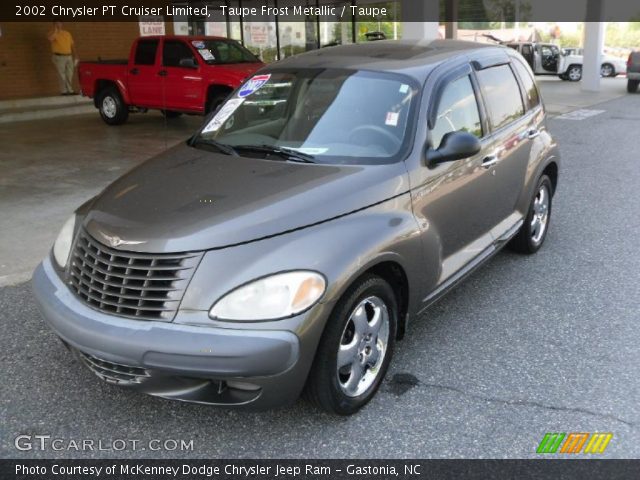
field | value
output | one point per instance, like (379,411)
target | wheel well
(100,86)
(551,171)
(394,274)
(214,91)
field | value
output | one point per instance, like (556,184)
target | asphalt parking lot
(527,345)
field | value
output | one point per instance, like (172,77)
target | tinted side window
(146,52)
(174,51)
(531,91)
(458,110)
(502,94)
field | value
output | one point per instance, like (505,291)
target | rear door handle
(134,71)
(533,133)
(163,73)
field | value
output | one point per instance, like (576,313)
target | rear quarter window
(502,95)
(530,89)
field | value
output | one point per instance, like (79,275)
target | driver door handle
(163,73)
(134,71)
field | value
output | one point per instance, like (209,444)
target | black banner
(462,11)
(318,469)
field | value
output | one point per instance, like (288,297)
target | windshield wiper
(285,153)
(226,149)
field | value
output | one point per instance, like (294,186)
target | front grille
(113,372)
(135,285)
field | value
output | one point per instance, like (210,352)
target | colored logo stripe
(598,442)
(574,442)
(550,443)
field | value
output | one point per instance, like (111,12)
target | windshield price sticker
(392,119)
(206,54)
(198,44)
(222,116)
(253,85)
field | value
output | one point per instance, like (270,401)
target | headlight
(62,247)
(277,296)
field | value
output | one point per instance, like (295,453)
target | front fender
(341,249)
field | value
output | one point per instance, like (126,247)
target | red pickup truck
(174,74)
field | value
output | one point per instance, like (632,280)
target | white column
(593,45)
(420,10)
(420,30)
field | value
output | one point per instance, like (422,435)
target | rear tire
(112,108)
(632,86)
(607,70)
(574,73)
(360,334)
(536,224)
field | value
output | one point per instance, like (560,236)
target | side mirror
(454,146)
(188,63)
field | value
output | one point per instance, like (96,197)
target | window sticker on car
(222,116)
(253,85)
(198,44)
(310,150)
(206,54)
(392,119)
(404,88)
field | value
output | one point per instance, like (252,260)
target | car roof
(413,58)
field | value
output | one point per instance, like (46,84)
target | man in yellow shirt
(63,54)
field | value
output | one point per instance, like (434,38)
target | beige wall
(26,69)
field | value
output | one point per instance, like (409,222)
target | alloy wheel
(540,214)
(363,346)
(109,107)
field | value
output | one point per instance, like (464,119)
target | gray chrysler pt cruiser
(286,246)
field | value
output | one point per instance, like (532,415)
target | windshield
(223,51)
(325,115)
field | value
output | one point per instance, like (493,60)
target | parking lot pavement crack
(527,403)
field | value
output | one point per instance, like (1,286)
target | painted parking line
(580,114)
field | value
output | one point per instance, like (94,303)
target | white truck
(549,59)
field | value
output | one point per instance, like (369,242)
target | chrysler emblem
(115,241)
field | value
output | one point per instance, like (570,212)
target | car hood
(188,199)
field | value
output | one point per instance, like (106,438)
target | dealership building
(26,69)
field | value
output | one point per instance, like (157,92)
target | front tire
(536,225)
(112,108)
(632,86)
(355,349)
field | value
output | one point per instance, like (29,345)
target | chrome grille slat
(129,284)
(114,372)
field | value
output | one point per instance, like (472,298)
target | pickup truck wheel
(171,113)
(574,73)
(632,86)
(563,76)
(112,108)
(607,70)
(534,230)
(355,349)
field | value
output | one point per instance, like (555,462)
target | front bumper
(633,75)
(262,368)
